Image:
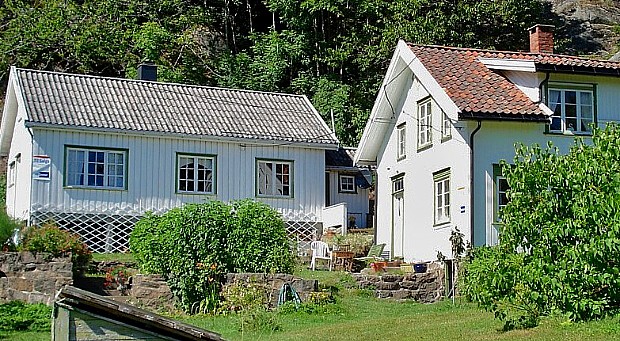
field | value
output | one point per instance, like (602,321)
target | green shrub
(19,316)
(49,238)
(244,296)
(258,240)
(560,241)
(194,246)
(8,226)
(358,243)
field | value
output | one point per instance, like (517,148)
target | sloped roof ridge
(525,53)
(132,80)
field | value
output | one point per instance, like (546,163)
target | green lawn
(117,257)
(25,336)
(363,318)
(358,316)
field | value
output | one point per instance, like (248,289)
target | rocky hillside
(587,27)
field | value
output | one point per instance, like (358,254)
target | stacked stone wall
(427,287)
(33,277)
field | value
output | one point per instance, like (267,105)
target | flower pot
(420,268)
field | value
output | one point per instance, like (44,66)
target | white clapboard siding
(151,174)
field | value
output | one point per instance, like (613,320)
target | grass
(358,316)
(25,336)
(117,257)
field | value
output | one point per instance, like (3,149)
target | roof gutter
(471,184)
(242,140)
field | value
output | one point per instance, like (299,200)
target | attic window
(425,123)
(573,109)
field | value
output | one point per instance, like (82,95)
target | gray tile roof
(139,106)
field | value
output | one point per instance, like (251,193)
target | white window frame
(401,141)
(347,186)
(441,197)
(183,182)
(498,195)
(12,173)
(425,123)
(398,184)
(446,127)
(560,110)
(80,171)
(276,184)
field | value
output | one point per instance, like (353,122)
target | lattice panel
(101,232)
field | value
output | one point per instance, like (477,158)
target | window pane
(503,185)
(571,110)
(586,111)
(556,123)
(570,97)
(571,123)
(586,98)
(585,125)
(554,97)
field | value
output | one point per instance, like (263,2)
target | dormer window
(573,109)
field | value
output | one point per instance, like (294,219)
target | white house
(348,185)
(94,154)
(445,117)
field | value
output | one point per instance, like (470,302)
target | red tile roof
(480,92)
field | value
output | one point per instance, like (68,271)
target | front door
(398,218)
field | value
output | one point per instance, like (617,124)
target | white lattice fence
(101,232)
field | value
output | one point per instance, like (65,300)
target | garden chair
(374,253)
(320,250)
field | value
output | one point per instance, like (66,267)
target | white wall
(152,177)
(421,239)
(18,195)
(356,202)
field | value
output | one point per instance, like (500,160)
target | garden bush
(559,246)
(258,240)
(8,227)
(194,246)
(50,238)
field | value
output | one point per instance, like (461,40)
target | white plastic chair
(320,250)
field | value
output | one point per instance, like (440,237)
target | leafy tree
(312,47)
(559,246)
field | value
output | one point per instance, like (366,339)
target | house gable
(382,118)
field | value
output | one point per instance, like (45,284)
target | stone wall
(425,287)
(151,291)
(274,282)
(33,278)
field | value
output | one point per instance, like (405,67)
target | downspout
(540,87)
(471,184)
(374,213)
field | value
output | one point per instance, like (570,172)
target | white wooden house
(445,117)
(350,186)
(94,154)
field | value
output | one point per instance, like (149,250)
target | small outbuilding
(82,315)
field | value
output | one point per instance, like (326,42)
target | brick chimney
(541,38)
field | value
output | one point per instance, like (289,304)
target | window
(573,110)
(442,197)
(97,168)
(402,134)
(274,178)
(398,184)
(347,184)
(195,174)
(12,174)
(500,194)
(446,127)
(424,123)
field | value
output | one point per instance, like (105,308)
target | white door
(398,224)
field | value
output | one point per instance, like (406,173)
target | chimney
(147,71)
(541,38)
